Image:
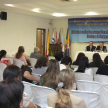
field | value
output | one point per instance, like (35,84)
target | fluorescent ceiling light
(59,14)
(91,13)
(9,5)
(36,10)
(74,0)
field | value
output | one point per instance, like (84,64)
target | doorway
(40,40)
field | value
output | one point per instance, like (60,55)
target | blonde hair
(63,98)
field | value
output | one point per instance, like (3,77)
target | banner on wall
(88,29)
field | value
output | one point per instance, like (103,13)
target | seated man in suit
(101,47)
(90,47)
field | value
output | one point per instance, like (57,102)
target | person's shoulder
(94,46)
(104,46)
(76,100)
(52,95)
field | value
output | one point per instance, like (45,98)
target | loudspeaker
(3,15)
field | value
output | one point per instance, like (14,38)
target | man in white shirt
(65,63)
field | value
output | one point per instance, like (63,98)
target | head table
(90,55)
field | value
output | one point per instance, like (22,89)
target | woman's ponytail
(63,98)
(66,79)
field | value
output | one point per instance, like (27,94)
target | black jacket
(103,49)
(103,70)
(92,49)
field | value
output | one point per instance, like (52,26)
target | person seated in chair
(35,54)
(3,58)
(65,63)
(90,47)
(59,56)
(101,47)
(13,72)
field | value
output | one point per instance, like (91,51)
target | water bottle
(95,50)
(34,82)
(105,50)
(85,49)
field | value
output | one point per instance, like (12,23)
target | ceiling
(72,9)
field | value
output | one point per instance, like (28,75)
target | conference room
(56,31)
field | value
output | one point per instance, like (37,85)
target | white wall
(19,30)
(63,23)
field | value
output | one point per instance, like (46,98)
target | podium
(54,48)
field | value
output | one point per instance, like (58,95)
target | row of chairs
(99,78)
(93,86)
(39,95)
(19,63)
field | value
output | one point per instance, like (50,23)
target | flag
(47,45)
(68,43)
(59,35)
(53,40)
(56,36)
(63,41)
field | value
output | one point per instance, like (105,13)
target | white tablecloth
(90,55)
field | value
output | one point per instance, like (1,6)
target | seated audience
(3,58)
(83,66)
(11,94)
(101,47)
(79,56)
(64,98)
(14,72)
(97,61)
(65,63)
(27,75)
(49,78)
(35,54)
(19,55)
(91,47)
(59,56)
(103,70)
(41,65)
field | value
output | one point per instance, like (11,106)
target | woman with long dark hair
(64,98)
(3,58)
(84,66)
(11,93)
(97,61)
(19,55)
(49,78)
(79,56)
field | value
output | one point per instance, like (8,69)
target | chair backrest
(40,94)
(33,62)
(11,59)
(104,96)
(91,86)
(83,76)
(91,99)
(2,67)
(94,70)
(101,78)
(18,63)
(27,89)
(74,66)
